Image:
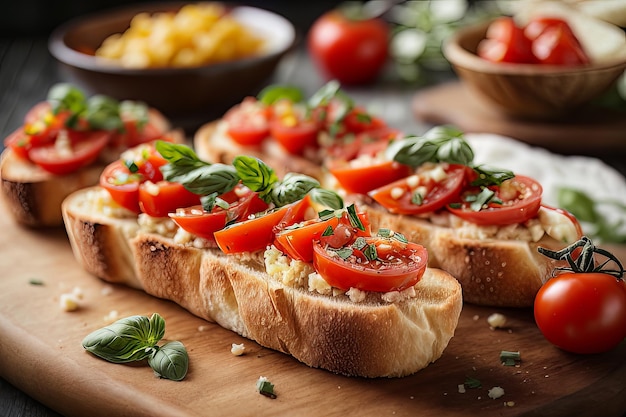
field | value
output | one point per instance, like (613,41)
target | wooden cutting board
(41,353)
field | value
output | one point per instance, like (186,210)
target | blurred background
(38,17)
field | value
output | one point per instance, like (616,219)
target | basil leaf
(479,200)
(354,218)
(65,96)
(325,94)
(103,112)
(273,93)
(293,188)
(491,176)
(179,155)
(412,151)
(256,175)
(127,340)
(170,361)
(326,198)
(439,144)
(209,179)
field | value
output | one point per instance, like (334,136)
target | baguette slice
(34,196)
(492,272)
(372,338)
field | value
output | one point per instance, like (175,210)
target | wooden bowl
(187,95)
(528,90)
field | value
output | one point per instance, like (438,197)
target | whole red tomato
(352,51)
(584,310)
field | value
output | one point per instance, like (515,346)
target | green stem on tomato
(580,258)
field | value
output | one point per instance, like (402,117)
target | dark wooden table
(27,71)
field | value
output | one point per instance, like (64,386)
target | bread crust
(34,196)
(367,339)
(499,273)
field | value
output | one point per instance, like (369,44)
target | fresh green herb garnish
(35,281)
(491,176)
(135,338)
(265,387)
(359,243)
(203,178)
(370,252)
(354,218)
(344,253)
(100,111)
(471,382)
(439,144)
(273,93)
(480,200)
(510,358)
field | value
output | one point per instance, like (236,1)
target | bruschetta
(283,262)
(64,144)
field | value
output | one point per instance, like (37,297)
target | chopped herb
(35,281)
(355,221)
(510,358)
(384,232)
(491,176)
(359,243)
(417,198)
(486,196)
(131,165)
(265,387)
(328,232)
(370,252)
(471,382)
(344,253)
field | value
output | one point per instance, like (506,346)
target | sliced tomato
(134,134)
(363,179)
(368,143)
(123,185)
(358,120)
(505,42)
(202,223)
(521,200)
(257,233)
(296,241)
(293,134)
(164,197)
(396,267)
(399,196)
(82,153)
(19,143)
(248,122)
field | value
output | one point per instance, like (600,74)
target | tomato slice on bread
(424,192)
(70,157)
(514,201)
(257,233)
(204,224)
(379,264)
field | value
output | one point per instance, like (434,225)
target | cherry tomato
(400,196)
(202,223)
(397,266)
(352,51)
(369,142)
(257,233)
(505,42)
(248,122)
(296,241)
(293,129)
(164,197)
(582,312)
(78,155)
(363,179)
(521,200)
(19,143)
(134,134)
(557,45)
(123,185)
